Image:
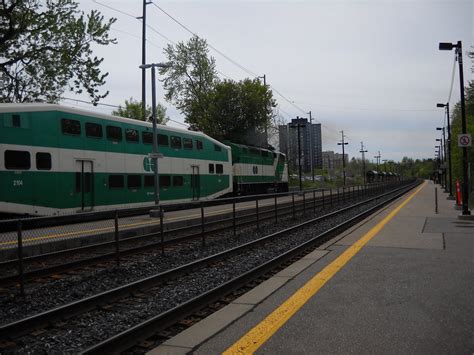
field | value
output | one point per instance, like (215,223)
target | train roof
(254,147)
(42,107)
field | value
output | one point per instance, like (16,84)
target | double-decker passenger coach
(56,159)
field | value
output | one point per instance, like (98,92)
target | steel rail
(128,338)
(25,325)
(64,267)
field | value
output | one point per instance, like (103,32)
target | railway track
(108,253)
(163,299)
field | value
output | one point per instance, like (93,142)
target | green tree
(238,111)
(45,48)
(133,109)
(189,78)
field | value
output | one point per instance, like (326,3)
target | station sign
(464,140)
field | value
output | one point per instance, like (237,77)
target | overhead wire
(114,106)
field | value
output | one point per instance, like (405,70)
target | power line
(248,71)
(452,79)
(114,106)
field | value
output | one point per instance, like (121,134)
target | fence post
(276,210)
(293,203)
(117,247)
(258,219)
(436,200)
(233,216)
(20,258)
(323,197)
(202,226)
(314,201)
(162,231)
(304,203)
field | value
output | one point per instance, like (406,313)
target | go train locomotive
(55,160)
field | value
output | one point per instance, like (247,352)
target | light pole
(378,159)
(443,46)
(297,125)
(445,177)
(311,145)
(343,158)
(448,148)
(441,159)
(154,155)
(363,159)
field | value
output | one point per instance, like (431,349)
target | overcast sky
(370,68)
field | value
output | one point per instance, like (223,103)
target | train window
(199,145)
(211,168)
(93,130)
(165,181)
(43,161)
(282,157)
(131,135)
(254,151)
(245,150)
(134,181)
(16,121)
(17,160)
(114,133)
(175,142)
(149,181)
(116,181)
(163,140)
(217,148)
(264,153)
(72,127)
(187,143)
(178,181)
(147,138)
(219,169)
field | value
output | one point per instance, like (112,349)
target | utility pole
(363,159)
(343,158)
(154,154)
(311,145)
(143,18)
(264,77)
(465,166)
(448,150)
(378,159)
(297,126)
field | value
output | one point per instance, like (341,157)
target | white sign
(464,140)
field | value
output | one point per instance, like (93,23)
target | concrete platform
(410,289)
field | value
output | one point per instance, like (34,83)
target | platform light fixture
(445,46)
(154,155)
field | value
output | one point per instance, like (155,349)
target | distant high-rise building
(310,140)
(333,160)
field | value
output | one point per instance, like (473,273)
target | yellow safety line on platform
(257,336)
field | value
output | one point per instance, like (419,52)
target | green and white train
(56,160)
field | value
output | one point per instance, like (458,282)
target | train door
(195,183)
(85,184)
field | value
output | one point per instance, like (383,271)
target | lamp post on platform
(444,46)
(154,155)
(448,149)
